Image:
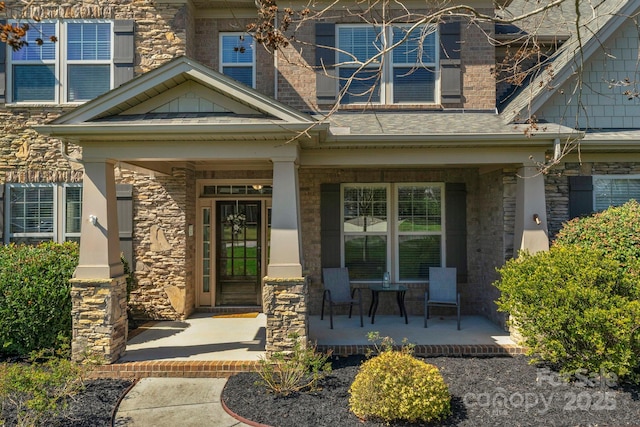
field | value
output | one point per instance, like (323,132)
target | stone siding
(285,303)
(99,313)
(557,186)
(164,254)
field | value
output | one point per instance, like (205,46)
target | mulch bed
(92,407)
(499,391)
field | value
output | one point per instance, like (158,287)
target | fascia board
(170,131)
(182,65)
(519,139)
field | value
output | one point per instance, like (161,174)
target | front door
(239,252)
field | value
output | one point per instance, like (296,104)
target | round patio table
(375,297)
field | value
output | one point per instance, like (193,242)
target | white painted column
(531,232)
(285,250)
(99,242)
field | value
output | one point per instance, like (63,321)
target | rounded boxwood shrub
(574,307)
(396,386)
(35,296)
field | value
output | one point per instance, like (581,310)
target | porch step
(179,369)
(428,350)
(230,309)
(224,369)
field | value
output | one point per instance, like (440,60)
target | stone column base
(99,316)
(284,301)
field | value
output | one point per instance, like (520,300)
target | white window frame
(392,232)
(61,63)
(634,177)
(248,38)
(58,233)
(396,224)
(387,66)
(63,208)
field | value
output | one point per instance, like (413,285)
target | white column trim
(531,232)
(286,247)
(99,241)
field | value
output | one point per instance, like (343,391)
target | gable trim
(128,95)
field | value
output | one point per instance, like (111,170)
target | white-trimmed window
(237,57)
(76,68)
(614,190)
(392,227)
(42,212)
(406,74)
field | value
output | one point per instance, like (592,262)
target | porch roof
(436,125)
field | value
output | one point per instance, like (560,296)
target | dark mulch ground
(92,407)
(491,392)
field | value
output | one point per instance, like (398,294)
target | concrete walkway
(170,402)
(160,401)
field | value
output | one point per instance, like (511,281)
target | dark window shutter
(456,228)
(450,74)
(124,194)
(325,36)
(330,225)
(3,69)
(580,196)
(123,50)
(325,57)
(1,214)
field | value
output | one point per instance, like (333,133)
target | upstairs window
(405,74)
(76,68)
(237,57)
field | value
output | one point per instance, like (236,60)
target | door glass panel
(238,254)
(206,250)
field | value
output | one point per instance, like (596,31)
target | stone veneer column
(99,288)
(99,313)
(285,303)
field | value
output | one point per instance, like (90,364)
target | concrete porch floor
(203,337)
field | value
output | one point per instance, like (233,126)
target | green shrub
(616,231)
(39,390)
(396,386)
(35,297)
(574,307)
(298,370)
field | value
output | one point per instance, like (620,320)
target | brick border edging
(226,368)
(432,350)
(175,369)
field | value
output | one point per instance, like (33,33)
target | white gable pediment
(182,86)
(190,103)
(191,97)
